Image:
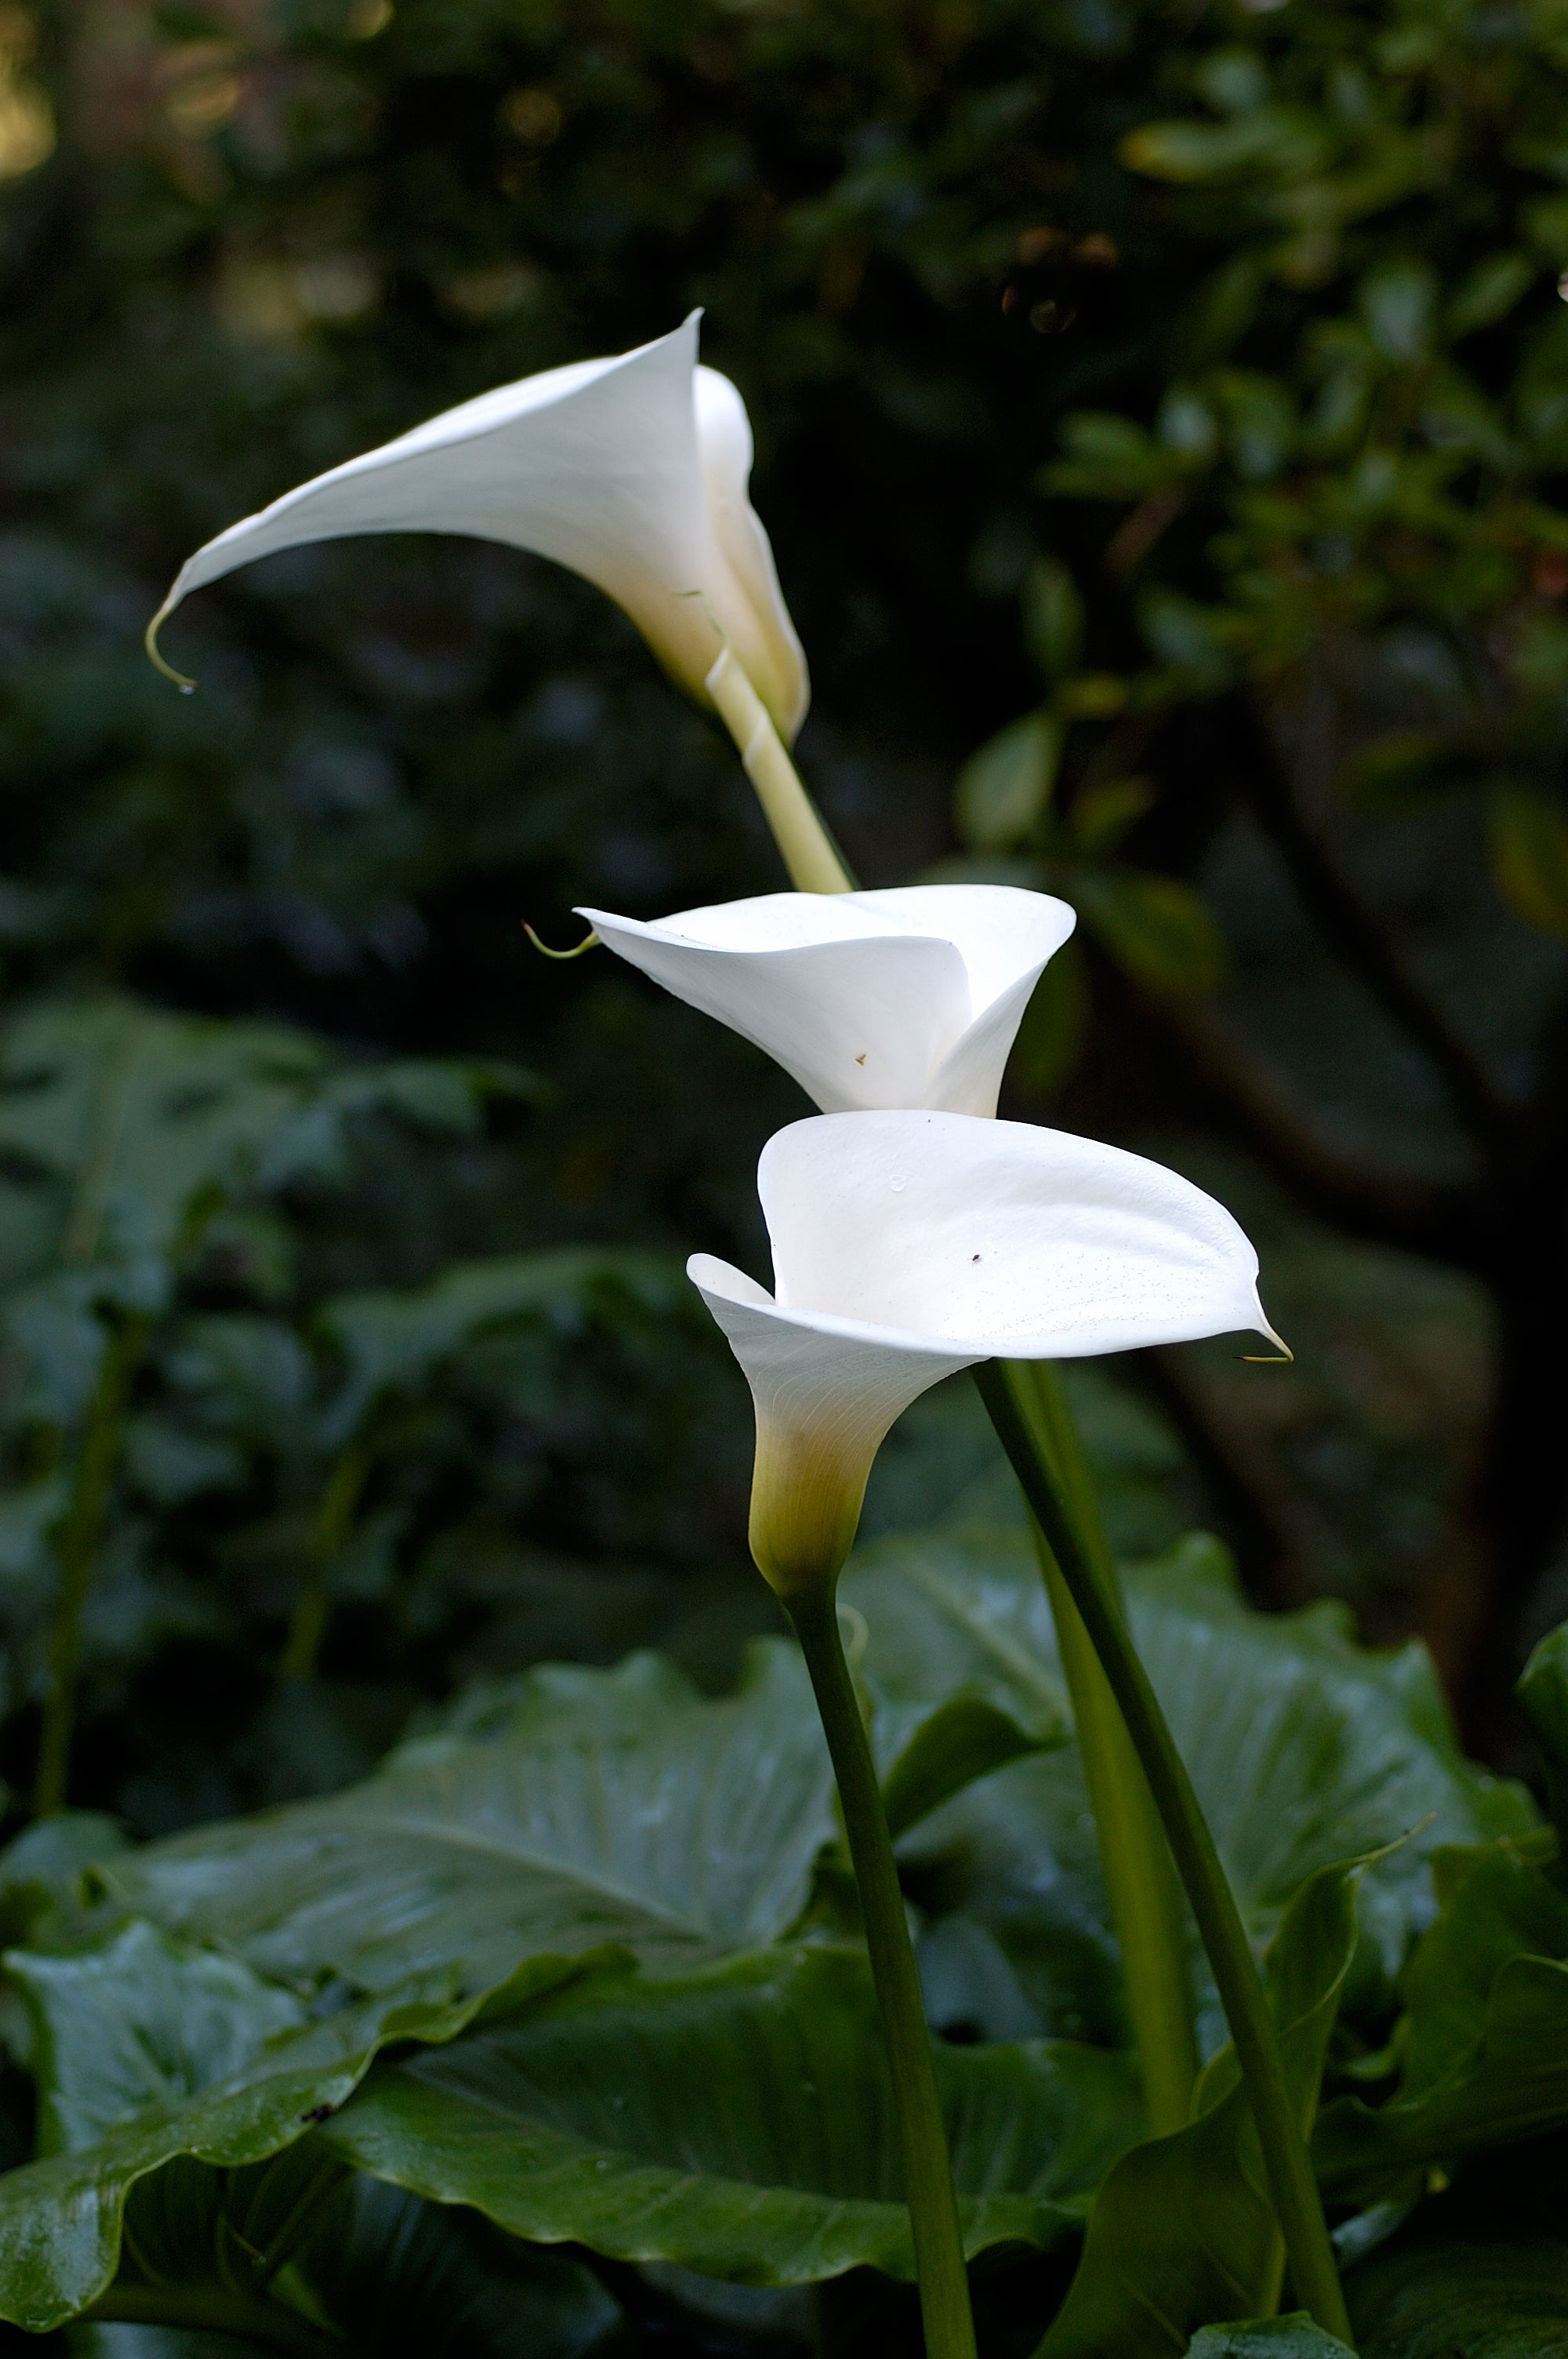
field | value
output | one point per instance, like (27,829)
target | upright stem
(1145,1906)
(328,1533)
(810,854)
(928,2172)
(78,1539)
(1290,2182)
(1139,1875)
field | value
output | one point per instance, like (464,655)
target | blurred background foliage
(1159,406)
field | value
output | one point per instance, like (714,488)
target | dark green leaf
(147,2051)
(1430,2300)
(1183,2229)
(1529,855)
(302,2239)
(1302,1746)
(1295,2336)
(1488,293)
(393,1341)
(1543,1691)
(1155,927)
(1053,617)
(1487,2052)
(602,1805)
(1004,789)
(739,2123)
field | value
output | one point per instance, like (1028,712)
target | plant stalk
(313,1608)
(1140,1878)
(813,859)
(1285,2160)
(78,1539)
(928,2171)
(1139,1874)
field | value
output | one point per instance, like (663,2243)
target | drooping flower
(908,1245)
(632,471)
(911,997)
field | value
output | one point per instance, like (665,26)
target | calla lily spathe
(633,471)
(908,1245)
(911,997)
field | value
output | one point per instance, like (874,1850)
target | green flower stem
(1285,2160)
(78,1540)
(814,861)
(210,2310)
(928,2172)
(1144,1901)
(328,1533)
(1139,1874)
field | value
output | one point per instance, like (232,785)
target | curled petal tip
(588,942)
(1284,1358)
(186,686)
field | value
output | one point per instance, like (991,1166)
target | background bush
(1165,402)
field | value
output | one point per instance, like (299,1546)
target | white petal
(1006,938)
(997,1239)
(903,998)
(632,471)
(856,1014)
(824,1399)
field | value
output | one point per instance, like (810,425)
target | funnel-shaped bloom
(905,998)
(633,471)
(910,1245)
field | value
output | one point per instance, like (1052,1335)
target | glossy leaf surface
(605,1806)
(147,2051)
(739,2123)
(1183,2229)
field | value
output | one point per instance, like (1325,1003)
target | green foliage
(740,2123)
(403,1394)
(567,1917)
(1182,2226)
(1492,2301)
(1303,1747)
(146,2051)
(588,1806)
(1485,2032)
(1292,2337)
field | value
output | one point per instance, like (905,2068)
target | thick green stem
(814,861)
(313,1609)
(213,2310)
(76,1541)
(928,2172)
(1140,1878)
(1285,2160)
(1139,1874)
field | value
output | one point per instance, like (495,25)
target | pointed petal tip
(1284,1358)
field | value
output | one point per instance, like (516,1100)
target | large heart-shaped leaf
(956,1685)
(146,2051)
(303,2253)
(739,2122)
(1183,2232)
(1487,2035)
(600,1806)
(1304,1748)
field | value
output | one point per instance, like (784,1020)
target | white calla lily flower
(911,997)
(908,1245)
(633,471)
